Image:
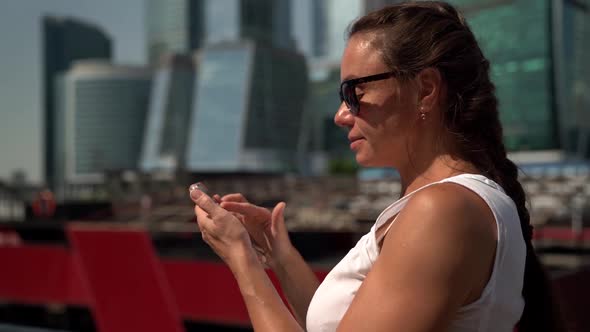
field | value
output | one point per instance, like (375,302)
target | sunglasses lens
(349,96)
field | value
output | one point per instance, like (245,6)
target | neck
(417,174)
(433,157)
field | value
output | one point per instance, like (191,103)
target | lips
(354,142)
(354,138)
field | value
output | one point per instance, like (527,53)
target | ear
(430,86)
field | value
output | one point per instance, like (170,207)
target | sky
(20,68)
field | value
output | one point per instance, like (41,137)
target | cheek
(396,125)
(395,133)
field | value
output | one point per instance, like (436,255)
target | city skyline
(21,119)
(21,126)
(524,56)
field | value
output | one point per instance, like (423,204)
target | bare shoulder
(457,208)
(450,229)
(436,257)
(446,230)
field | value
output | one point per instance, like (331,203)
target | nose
(343,117)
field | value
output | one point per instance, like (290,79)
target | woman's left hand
(221,229)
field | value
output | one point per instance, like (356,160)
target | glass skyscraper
(281,26)
(319,26)
(239,109)
(99,121)
(233,34)
(248,108)
(324,102)
(536,49)
(168,116)
(516,37)
(325,142)
(183,26)
(173,26)
(231,20)
(572,50)
(65,41)
(339,14)
(308,25)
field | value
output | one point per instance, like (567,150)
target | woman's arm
(298,283)
(266,309)
(228,237)
(267,228)
(437,256)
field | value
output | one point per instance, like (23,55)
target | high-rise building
(65,41)
(309,26)
(100,115)
(340,13)
(536,49)
(231,20)
(247,113)
(281,24)
(319,26)
(173,26)
(516,37)
(183,26)
(324,141)
(572,87)
(166,129)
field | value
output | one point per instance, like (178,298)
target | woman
(416,96)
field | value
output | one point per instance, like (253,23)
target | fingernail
(196,193)
(199,185)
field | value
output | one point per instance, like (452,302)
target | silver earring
(422,114)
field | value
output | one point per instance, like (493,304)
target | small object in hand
(203,188)
(199,185)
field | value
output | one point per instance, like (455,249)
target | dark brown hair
(413,36)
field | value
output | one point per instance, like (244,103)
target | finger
(203,218)
(278,218)
(240,217)
(217,198)
(235,197)
(257,216)
(205,202)
(246,209)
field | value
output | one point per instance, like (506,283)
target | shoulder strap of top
(480,179)
(396,207)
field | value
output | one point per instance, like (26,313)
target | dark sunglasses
(348,87)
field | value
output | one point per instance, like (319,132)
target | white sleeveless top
(497,310)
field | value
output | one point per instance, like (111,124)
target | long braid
(539,312)
(486,149)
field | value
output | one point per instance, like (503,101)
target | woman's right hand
(266,228)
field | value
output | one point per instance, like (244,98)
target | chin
(368,161)
(365,161)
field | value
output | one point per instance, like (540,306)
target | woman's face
(379,134)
